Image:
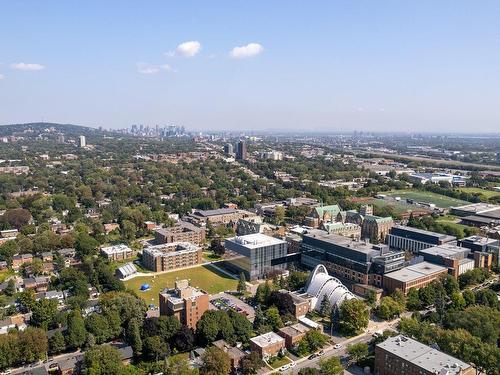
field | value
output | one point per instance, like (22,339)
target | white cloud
(27,67)
(186,49)
(145,68)
(250,50)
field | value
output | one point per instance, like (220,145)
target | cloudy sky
(305,65)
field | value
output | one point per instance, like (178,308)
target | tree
(371,298)
(330,366)
(251,363)
(133,335)
(273,318)
(217,247)
(155,348)
(11,287)
(241,326)
(450,285)
(126,304)
(427,295)
(98,326)
(357,351)
(283,302)
(458,301)
(413,300)
(76,332)
(27,298)
(129,230)
(242,287)
(184,339)
(353,316)
(17,217)
(56,343)
(103,360)
(326,306)
(168,326)
(279,215)
(388,308)
(487,297)
(44,312)
(85,245)
(480,321)
(207,328)
(33,344)
(263,292)
(179,366)
(311,342)
(215,362)
(469,297)
(309,371)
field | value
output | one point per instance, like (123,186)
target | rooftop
(479,240)
(415,271)
(116,249)
(441,236)
(446,251)
(266,339)
(476,208)
(423,356)
(171,249)
(361,246)
(219,211)
(256,240)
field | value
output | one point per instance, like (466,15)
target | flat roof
(423,356)
(415,271)
(219,211)
(476,207)
(115,249)
(266,339)
(446,251)
(479,240)
(347,242)
(441,236)
(256,240)
(479,219)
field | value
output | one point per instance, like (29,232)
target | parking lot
(224,301)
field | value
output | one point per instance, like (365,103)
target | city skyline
(324,67)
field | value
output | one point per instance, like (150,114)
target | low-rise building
(413,240)
(293,334)
(402,355)
(376,228)
(415,276)
(221,216)
(126,270)
(235,354)
(451,256)
(267,345)
(170,256)
(117,252)
(184,302)
(20,259)
(182,231)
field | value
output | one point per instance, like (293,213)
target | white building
(82,142)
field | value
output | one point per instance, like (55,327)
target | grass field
(452,221)
(278,362)
(485,193)
(204,277)
(427,197)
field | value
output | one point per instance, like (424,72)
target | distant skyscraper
(228,149)
(82,142)
(241,150)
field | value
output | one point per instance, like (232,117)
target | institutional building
(453,257)
(117,252)
(376,228)
(181,231)
(412,239)
(170,256)
(488,247)
(184,302)
(402,355)
(258,255)
(220,216)
(361,262)
(415,276)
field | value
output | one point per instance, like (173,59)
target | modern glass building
(258,255)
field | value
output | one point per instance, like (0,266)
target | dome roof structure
(321,284)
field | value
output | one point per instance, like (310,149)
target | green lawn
(278,362)
(204,277)
(452,221)
(486,193)
(428,197)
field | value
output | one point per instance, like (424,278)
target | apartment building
(117,252)
(170,256)
(182,231)
(184,302)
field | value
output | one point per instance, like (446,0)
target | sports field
(486,193)
(427,197)
(204,277)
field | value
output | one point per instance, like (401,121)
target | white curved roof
(321,284)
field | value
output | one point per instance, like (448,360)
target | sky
(264,65)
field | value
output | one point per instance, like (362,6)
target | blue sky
(319,65)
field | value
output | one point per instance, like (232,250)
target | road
(331,352)
(53,360)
